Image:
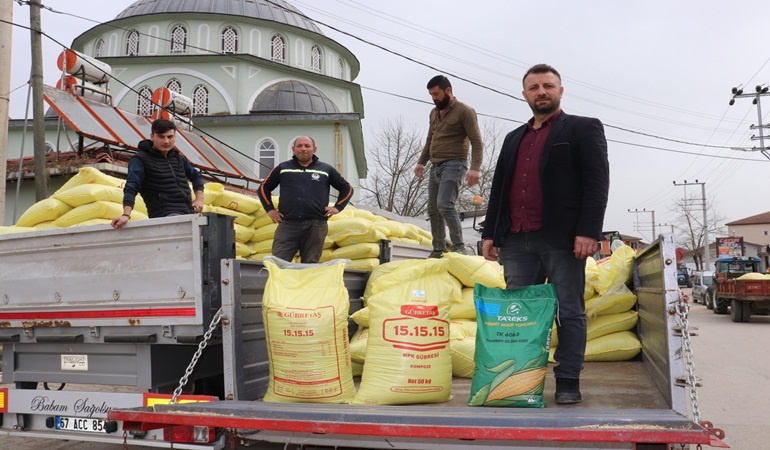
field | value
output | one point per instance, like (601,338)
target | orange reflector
(3,400)
(165,399)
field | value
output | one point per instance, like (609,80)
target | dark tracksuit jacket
(304,190)
(162,181)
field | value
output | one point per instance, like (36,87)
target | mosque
(259,73)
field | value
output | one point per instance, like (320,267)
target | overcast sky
(657,73)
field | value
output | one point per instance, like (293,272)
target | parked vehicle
(703,288)
(744,297)
(683,278)
(130,308)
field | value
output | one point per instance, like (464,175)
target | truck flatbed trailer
(628,405)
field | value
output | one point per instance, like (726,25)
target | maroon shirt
(526,198)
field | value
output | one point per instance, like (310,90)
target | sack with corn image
(512,341)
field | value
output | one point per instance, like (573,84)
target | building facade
(259,75)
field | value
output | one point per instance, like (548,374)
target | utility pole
(38,113)
(636,211)
(706,243)
(667,225)
(760,91)
(6,33)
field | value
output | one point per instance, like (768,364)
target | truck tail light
(189,434)
(3,400)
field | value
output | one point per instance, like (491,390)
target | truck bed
(621,404)
(625,403)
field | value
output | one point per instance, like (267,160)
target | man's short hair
(295,140)
(441,81)
(541,68)
(161,126)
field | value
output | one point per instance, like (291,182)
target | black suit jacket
(574,177)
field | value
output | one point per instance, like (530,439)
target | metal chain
(206,337)
(682,310)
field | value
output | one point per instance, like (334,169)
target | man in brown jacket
(453,129)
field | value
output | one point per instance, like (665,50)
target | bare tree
(689,225)
(492,135)
(391,184)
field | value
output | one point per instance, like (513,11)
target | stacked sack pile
(93,197)
(611,317)
(88,198)
(463,272)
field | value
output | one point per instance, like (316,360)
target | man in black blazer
(546,211)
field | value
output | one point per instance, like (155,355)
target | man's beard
(442,104)
(546,108)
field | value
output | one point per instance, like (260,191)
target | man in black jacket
(546,212)
(160,173)
(303,204)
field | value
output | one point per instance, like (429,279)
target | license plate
(80,424)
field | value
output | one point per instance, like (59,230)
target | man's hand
(197,205)
(584,247)
(119,222)
(489,251)
(331,210)
(472,177)
(419,171)
(275,215)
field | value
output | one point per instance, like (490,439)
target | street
(730,360)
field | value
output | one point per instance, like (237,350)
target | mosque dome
(275,10)
(293,96)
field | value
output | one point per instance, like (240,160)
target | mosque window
(132,43)
(266,157)
(315,58)
(200,101)
(179,39)
(144,101)
(174,85)
(340,68)
(229,40)
(99,48)
(277,49)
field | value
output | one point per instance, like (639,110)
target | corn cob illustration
(518,383)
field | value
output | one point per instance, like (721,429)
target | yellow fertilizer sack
(240,218)
(305,312)
(463,350)
(243,234)
(408,359)
(382,269)
(361,317)
(96,210)
(358,251)
(90,175)
(358,345)
(416,269)
(620,346)
(264,233)
(512,340)
(616,300)
(364,264)
(89,193)
(465,309)
(463,328)
(237,202)
(611,323)
(15,229)
(616,270)
(46,210)
(475,269)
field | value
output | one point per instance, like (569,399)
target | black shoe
(568,391)
(437,254)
